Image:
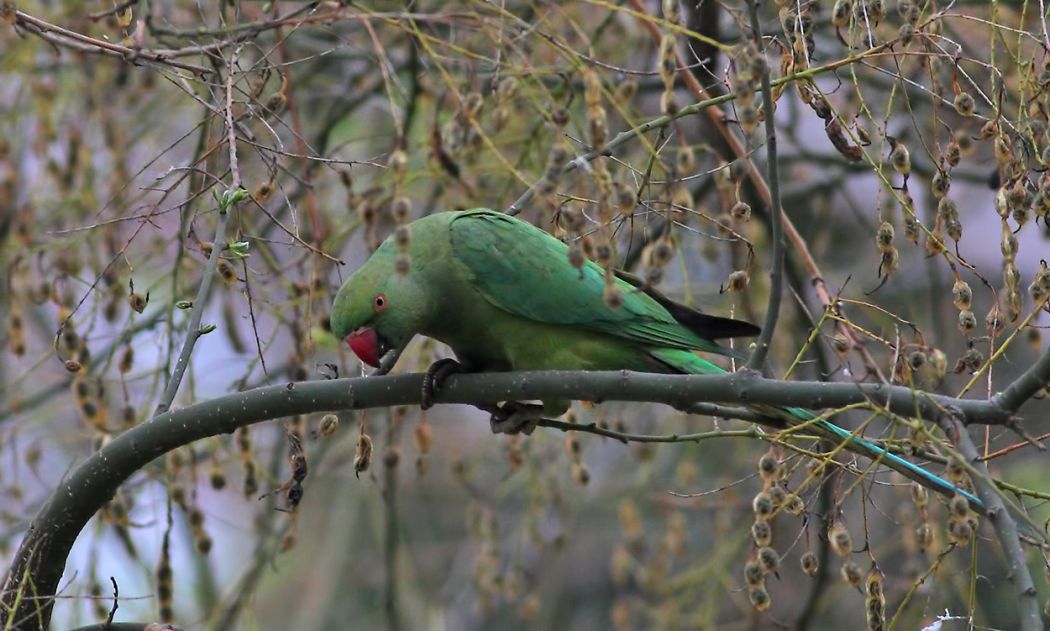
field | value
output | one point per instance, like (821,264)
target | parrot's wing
(525,271)
(706,326)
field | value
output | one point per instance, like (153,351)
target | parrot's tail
(690,363)
(909,470)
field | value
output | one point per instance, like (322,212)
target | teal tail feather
(690,363)
(895,462)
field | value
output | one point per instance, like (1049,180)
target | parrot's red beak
(365,344)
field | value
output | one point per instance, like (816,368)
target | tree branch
(42,555)
(58,36)
(1028,609)
(226,204)
(1024,387)
(776,211)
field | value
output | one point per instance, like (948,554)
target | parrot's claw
(434,376)
(516,418)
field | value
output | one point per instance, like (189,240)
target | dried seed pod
(962,295)
(906,33)
(671,11)
(398,160)
(900,158)
(580,474)
(890,262)
(1039,289)
(952,154)
(964,104)
(366,212)
(626,91)
(919,495)
(262,193)
(138,302)
(748,117)
(401,208)
(924,535)
(768,559)
(1035,339)
(661,252)
(668,104)
(851,573)
(953,228)
(840,12)
(884,236)
(624,198)
(226,272)
(940,184)
(612,296)
(911,229)
(762,533)
(769,467)
(809,563)
(959,506)
(753,574)
(576,255)
(127,359)
(329,423)
(993,322)
(737,281)
(560,117)
(916,359)
(840,343)
(873,584)
(762,504)
(603,253)
(1008,243)
(795,505)
(686,162)
(959,532)
(988,130)
(970,361)
(1011,276)
(668,59)
(777,494)
(362,453)
(740,212)
(1003,153)
(759,598)
(967,321)
(472,105)
(839,538)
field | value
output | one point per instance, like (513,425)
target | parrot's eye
(379,303)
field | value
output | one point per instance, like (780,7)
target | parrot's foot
(516,418)
(434,376)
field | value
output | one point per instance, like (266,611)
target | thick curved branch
(42,555)
(1024,387)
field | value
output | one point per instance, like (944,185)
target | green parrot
(504,296)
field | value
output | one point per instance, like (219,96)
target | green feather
(525,271)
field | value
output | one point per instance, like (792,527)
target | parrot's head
(378,310)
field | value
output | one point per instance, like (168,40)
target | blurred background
(354,117)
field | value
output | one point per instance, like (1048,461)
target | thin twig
(776,212)
(59,36)
(193,331)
